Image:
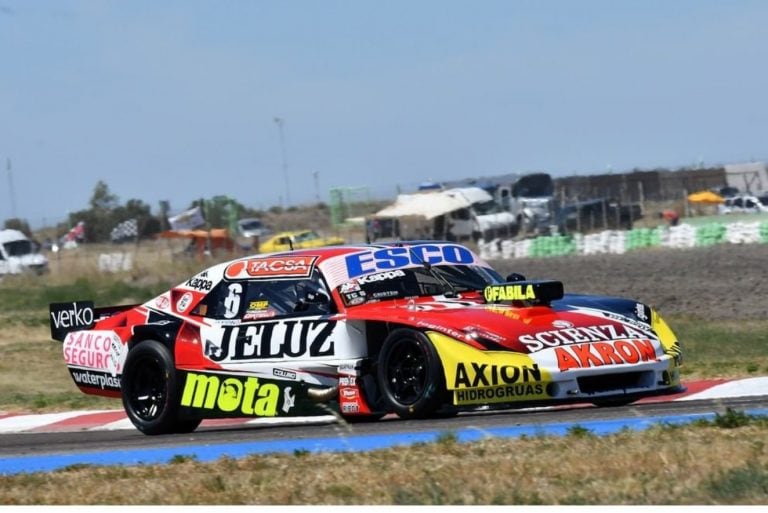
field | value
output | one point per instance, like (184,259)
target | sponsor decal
(95,379)
(259,314)
(234,395)
(200,284)
(474,375)
(483,377)
(350,400)
(259,310)
(641,312)
(277,339)
(387,259)
(282,373)
(441,305)
(562,324)
(232,300)
(95,349)
(183,303)
(442,329)
(522,292)
(384,294)
(387,275)
(162,302)
(348,367)
(481,334)
(272,267)
(347,381)
(68,316)
(598,354)
(626,320)
(500,394)
(577,335)
(289,400)
(349,394)
(505,310)
(354,298)
(676,352)
(350,286)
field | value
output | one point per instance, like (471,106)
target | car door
(265,326)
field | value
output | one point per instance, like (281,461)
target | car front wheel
(410,375)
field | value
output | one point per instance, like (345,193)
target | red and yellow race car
(412,328)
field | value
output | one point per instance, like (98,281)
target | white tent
(432,204)
(420,213)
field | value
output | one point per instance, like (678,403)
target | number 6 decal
(232,301)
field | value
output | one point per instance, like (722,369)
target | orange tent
(217,238)
(707,197)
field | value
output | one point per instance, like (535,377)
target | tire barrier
(619,242)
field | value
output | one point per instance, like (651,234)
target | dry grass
(691,465)
(33,377)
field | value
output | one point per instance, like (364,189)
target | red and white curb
(110,420)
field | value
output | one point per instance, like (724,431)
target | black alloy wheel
(150,390)
(410,375)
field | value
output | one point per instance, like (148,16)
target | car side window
(225,301)
(265,299)
(285,298)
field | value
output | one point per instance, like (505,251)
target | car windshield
(19,248)
(305,236)
(250,225)
(415,282)
(487,207)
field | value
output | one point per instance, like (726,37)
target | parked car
(253,227)
(743,203)
(302,239)
(416,329)
(19,254)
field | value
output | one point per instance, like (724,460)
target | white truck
(19,254)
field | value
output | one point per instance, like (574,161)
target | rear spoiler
(78,315)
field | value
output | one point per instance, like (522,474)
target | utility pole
(279,122)
(315,174)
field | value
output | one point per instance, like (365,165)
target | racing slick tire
(150,390)
(410,375)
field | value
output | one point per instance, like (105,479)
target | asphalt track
(47,445)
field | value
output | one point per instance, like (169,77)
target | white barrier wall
(619,242)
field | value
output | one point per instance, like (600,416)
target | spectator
(670,216)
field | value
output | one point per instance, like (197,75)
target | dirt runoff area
(726,281)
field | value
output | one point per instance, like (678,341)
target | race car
(303,239)
(418,329)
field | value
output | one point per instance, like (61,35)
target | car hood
(573,320)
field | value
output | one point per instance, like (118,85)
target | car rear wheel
(410,375)
(150,391)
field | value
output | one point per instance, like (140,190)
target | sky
(273,103)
